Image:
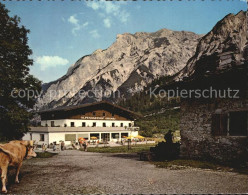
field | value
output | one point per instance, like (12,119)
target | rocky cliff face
(128,65)
(224,47)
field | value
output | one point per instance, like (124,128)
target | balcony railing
(82,129)
(133,128)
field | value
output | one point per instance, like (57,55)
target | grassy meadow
(121,149)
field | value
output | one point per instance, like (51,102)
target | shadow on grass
(180,164)
(133,156)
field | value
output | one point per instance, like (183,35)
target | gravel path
(85,172)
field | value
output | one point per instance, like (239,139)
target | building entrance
(105,136)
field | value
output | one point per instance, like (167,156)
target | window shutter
(219,124)
(215,124)
(223,124)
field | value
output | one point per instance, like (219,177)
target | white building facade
(100,121)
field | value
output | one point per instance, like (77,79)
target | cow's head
(30,148)
(31,153)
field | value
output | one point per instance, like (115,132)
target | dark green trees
(15,80)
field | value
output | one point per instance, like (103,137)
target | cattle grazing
(11,155)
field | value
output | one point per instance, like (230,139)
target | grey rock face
(128,65)
(224,47)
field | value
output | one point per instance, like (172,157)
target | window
(238,123)
(84,135)
(121,124)
(235,126)
(94,136)
(72,124)
(115,135)
(219,124)
(103,114)
(104,124)
(94,113)
(83,124)
(42,137)
(52,124)
(70,137)
(129,124)
(113,124)
(124,135)
(94,124)
(105,137)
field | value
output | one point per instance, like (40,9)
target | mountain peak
(97,51)
(127,66)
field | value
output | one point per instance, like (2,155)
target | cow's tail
(12,155)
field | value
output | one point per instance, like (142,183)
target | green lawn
(185,163)
(121,149)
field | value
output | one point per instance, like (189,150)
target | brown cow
(11,155)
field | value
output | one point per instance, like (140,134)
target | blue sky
(64,31)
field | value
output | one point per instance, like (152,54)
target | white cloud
(75,22)
(123,16)
(107,22)
(94,34)
(93,5)
(85,24)
(110,9)
(50,61)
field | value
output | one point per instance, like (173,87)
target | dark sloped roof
(75,107)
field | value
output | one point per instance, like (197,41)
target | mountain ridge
(135,60)
(128,65)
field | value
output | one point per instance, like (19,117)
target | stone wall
(196,137)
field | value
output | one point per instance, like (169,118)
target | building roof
(76,107)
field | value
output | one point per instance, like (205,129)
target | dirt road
(82,172)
